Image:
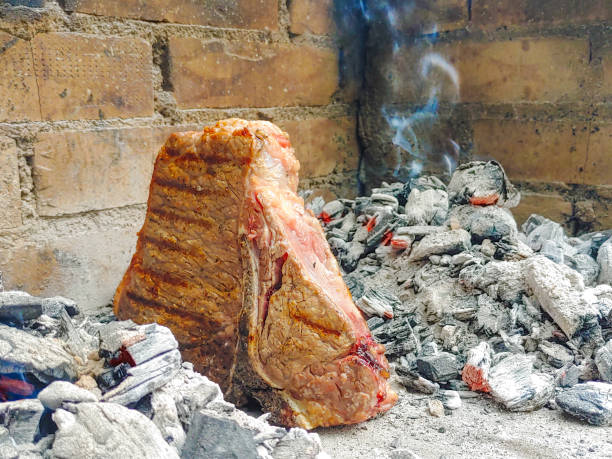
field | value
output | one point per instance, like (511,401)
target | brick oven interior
(375,95)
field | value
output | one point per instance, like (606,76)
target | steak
(230,260)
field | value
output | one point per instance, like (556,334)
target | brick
(18,90)
(222,74)
(250,14)
(85,265)
(311,16)
(524,70)
(552,206)
(10,193)
(488,15)
(598,156)
(534,151)
(324,146)
(88,77)
(431,16)
(79,171)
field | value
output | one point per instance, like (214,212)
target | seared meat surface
(232,262)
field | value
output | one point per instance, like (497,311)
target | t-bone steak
(232,262)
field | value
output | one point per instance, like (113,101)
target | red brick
(550,205)
(87,77)
(223,74)
(250,14)
(324,146)
(488,15)
(534,151)
(84,265)
(10,193)
(78,171)
(523,70)
(311,16)
(18,91)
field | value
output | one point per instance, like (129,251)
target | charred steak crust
(230,260)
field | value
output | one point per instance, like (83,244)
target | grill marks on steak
(231,261)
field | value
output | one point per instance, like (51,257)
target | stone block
(89,77)
(490,15)
(18,90)
(523,70)
(84,264)
(10,193)
(324,146)
(223,74)
(249,14)
(311,16)
(536,151)
(79,171)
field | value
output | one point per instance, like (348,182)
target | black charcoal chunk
(591,402)
(439,367)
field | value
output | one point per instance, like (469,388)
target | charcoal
(488,248)
(553,251)
(355,285)
(298,443)
(491,317)
(450,399)
(585,265)
(414,381)
(59,392)
(439,367)
(385,222)
(603,360)
(556,355)
(338,233)
(429,207)
(418,232)
(174,404)
(449,242)
(157,340)
(315,204)
(398,336)
(514,384)
(591,402)
(18,307)
(445,297)
(482,183)
(354,253)
(604,259)
(93,430)
(502,280)
(475,373)
(333,209)
(21,418)
(376,302)
(490,222)
(569,376)
(44,358)
(425,182)
(112,377)
(53,306)
(217,438)
(385,200)
(559,291)
(539,229)
(145,378)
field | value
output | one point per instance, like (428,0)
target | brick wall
(90,89)
(535,93)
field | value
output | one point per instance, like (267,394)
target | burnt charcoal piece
(113,377)
(481,184)
(232,263)
(218,438)
(19,307)
(438,367)
(591,402)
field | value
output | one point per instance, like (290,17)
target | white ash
(532,295)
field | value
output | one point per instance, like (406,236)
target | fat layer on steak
(232,262)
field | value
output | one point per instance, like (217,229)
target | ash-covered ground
(500,336)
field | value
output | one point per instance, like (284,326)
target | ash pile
(74,386)
(465,301)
